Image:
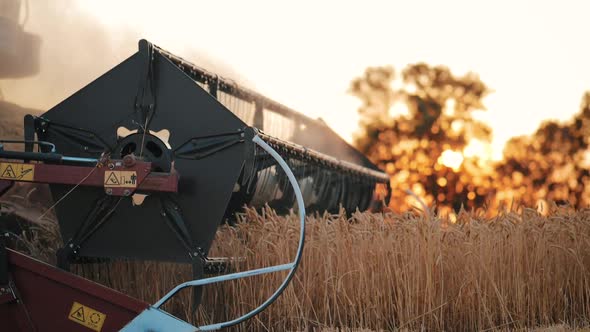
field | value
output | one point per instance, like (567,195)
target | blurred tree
(423,146)
(551,165)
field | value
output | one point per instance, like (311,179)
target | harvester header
(149,159)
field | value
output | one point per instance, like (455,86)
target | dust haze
(76,49)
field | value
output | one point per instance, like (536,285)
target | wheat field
(384,271)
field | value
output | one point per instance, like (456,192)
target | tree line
(419,126)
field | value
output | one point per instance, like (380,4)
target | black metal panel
(209,146)
(181,107)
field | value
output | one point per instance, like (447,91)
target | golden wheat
(388,271)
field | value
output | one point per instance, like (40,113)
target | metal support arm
(152,313)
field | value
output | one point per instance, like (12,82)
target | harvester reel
(181,150)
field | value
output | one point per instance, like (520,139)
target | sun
(479,149)
(451,159)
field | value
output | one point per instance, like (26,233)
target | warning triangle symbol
(78,314)
(8,172)
(112,179)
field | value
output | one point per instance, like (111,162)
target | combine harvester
(145,163)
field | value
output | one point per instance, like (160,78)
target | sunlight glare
(451,159)
(478,149)
(399,109)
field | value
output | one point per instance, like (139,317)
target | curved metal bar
(289,266)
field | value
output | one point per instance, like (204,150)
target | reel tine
(278,177)
(360,192)
(254,171)
(297,166)
(303,182)
(326,188)
(365,194)
(340,191)
(316,187)
(261,189)
(350,193)
(346,191)
(329,190)
(284,185)
(346,181)
(363,183)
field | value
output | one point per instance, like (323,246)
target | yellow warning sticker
(17,172)
(120,179)
(86,316)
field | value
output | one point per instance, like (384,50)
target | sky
(534,55)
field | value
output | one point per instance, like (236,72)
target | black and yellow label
(120,179)
(17,172)
(86,316)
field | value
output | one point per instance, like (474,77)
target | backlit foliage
(422,148)
(419,126)
(551,165)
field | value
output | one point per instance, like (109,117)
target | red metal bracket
(48,298)
(117,177)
